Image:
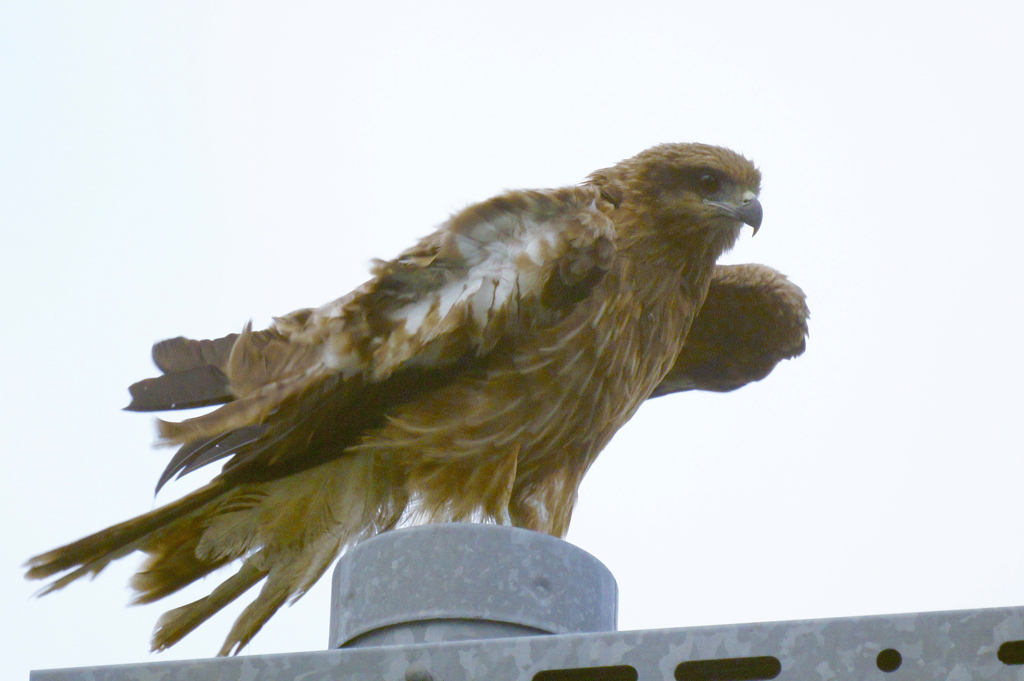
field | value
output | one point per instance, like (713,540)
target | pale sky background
(181,168)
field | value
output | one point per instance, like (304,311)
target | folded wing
(518,260)
(752,318)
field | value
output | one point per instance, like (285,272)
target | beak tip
(751,213)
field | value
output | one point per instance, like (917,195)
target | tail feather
(290,574)
(175,624)
(91,554)
(273,595)
(284,523)
(174,562)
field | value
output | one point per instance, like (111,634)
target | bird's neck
(678,261)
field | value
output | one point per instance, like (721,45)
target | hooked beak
(748,211)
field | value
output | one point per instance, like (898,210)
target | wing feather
(485,273)
(752,318)
(522,259)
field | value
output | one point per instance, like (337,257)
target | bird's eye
(708,184)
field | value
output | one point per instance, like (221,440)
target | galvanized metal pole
(462,581)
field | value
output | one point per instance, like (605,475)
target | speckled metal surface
(458,581)
(955,646)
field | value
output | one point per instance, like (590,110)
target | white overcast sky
(181,168)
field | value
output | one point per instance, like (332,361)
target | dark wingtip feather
(198,453)
(182,354)
(199,387)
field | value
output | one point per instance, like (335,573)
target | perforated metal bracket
(958,645)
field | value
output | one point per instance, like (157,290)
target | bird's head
(686,190)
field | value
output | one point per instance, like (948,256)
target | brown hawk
(475,377)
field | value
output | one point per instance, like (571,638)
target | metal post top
(457,581)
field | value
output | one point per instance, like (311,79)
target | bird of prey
(474,377)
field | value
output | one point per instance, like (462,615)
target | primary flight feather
(474,377)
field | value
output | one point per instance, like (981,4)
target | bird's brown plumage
(475,377)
